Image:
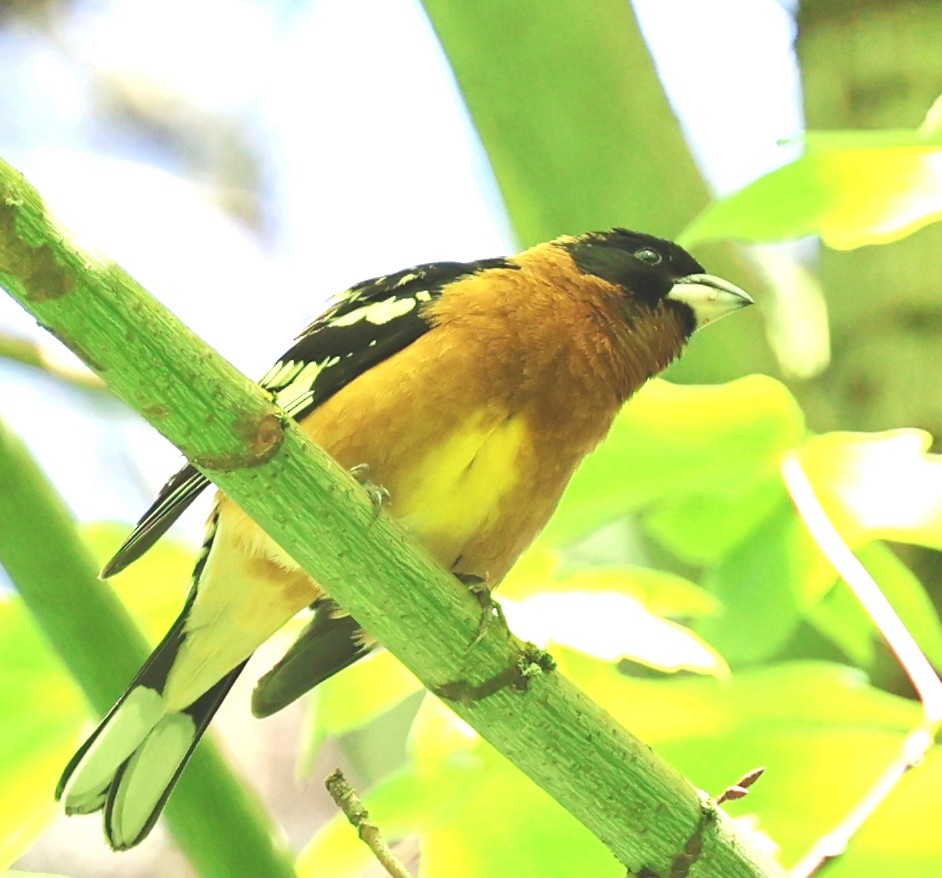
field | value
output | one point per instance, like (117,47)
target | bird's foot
(490,609)
(377,493)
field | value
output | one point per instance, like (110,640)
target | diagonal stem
(911,658)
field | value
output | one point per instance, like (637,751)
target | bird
(464,396)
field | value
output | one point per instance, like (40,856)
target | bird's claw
(491,610)
(377,493)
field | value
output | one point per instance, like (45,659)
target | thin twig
(911,658)
(349,802)
(915,746)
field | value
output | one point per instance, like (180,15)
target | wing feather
(363,326)
(173,498)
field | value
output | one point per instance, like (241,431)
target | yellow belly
(460,499)
(453,494)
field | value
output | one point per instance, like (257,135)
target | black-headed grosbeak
(471,391)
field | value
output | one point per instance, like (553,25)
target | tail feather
(84,783)
(131,762)
(140,787)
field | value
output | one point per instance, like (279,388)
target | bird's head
(657,274)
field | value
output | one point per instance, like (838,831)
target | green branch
(650,817)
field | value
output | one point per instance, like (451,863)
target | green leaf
(503,824)
(788,695)
(895,840)
(488,818)
(878,485)
(765,586)
(701,528)
(362,692)
(822,733)
(611,612)
(541,571)
(155,586)
(851,188)
(611,626)
(44,712)
(674,441)
(472,812)
(659,592)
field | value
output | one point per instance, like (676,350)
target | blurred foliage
(850,188)
(615,153)
(867,71)
(817,726)
(45,714)
(742,648)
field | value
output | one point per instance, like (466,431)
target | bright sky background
(370,164)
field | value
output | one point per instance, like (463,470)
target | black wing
(366,324)
(181,490)
(362,327)
(331,642)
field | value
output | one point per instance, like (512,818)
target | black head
(643,264)
(654,271)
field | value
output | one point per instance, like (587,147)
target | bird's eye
(648,256)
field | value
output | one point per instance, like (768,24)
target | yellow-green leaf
(841,618)
(154,587)
(362,692)
(43,709)
(765,585)
(43,712)
(674,441)
(667,594)
(611,626)
(851,188)
(878,485)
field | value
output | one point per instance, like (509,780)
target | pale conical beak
(709,297)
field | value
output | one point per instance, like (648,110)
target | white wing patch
(377,313)
(407,278)
(283,372)
(300,378)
